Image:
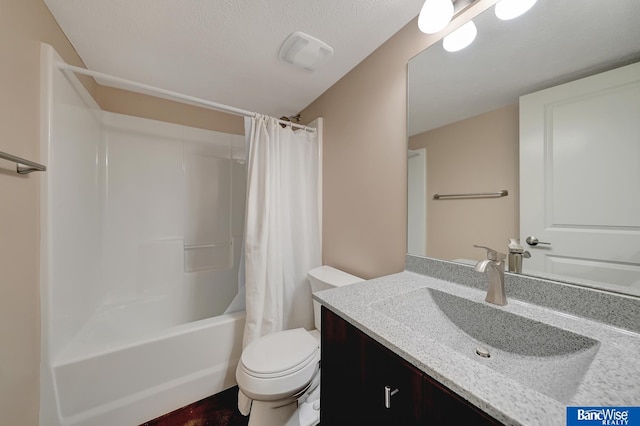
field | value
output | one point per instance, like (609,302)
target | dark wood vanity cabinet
(356,371)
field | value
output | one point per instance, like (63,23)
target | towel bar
(23,166)
(502,193)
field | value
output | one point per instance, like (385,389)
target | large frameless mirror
(532,133)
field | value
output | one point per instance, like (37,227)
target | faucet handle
(493,254)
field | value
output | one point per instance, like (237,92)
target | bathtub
(146,371)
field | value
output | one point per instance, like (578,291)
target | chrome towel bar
(502,193)
(23,166)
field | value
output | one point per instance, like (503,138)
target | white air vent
(304,51)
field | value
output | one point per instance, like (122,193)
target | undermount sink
(540,356)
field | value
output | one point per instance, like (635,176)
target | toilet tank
(326,277)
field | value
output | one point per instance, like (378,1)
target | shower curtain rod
(142,88)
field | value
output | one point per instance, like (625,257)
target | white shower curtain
(282,230)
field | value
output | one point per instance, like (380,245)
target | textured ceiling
(226,51)
(555,42)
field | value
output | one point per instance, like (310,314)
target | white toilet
(280,371)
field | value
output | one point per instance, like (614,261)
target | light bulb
(435,15)
(509,9)
(460,38)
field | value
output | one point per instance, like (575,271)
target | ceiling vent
(304,51)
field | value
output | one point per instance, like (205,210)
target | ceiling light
(509,9)
(304,51)
(460,38)
(435,15)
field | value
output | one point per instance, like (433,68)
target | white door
(580,178)
(417,202)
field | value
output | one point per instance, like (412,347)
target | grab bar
(23,166)
(502,193)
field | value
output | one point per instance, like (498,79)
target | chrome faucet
(494,265)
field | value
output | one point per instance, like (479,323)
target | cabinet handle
(388,393)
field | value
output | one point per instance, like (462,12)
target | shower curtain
(282,230)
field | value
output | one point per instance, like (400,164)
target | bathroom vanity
(365,383)
(426,332)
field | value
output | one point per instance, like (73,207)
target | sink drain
(484,353)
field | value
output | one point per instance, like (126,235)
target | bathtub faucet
(494,265)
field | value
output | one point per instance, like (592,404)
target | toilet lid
(280,352)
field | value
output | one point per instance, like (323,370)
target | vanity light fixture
(509,9)
(460,38)
(435,15)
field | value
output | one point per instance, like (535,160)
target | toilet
(280,372)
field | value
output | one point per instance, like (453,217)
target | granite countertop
(399,312)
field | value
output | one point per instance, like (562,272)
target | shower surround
(141,228)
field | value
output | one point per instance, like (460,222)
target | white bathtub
(140,377)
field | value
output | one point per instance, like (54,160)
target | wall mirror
(471,129)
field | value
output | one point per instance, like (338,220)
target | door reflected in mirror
(533,107)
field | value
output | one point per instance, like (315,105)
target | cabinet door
(355,372)
(403,405)
(342,377)
(441,406)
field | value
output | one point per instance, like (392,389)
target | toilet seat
(279,364)
(279,354)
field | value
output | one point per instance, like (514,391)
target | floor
(217,410)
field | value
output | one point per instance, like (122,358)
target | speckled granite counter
(400,312)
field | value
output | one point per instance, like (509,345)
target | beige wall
(124,102)
(478,154)
(365,157)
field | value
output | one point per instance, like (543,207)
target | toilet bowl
(280,372)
